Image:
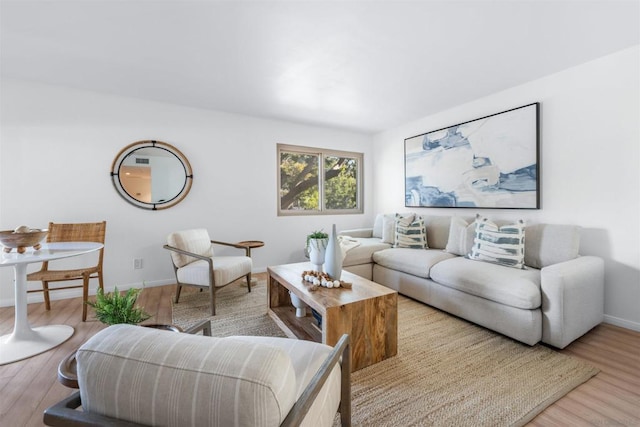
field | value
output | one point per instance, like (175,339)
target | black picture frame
(492,162)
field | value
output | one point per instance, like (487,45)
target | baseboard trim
(74,293)
(623,323)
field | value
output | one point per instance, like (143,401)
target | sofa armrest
(572,299)
(357,232)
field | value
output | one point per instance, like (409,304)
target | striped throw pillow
(410,232)
(499,245)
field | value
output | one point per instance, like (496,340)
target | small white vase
(333,257)
(301,306)
(317,249)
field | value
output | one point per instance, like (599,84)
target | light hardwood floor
(612,398)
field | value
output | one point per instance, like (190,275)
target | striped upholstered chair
(130,375)
(195,264)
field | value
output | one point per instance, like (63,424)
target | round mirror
(151,174)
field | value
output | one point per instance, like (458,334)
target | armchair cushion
(225,270)
(136,374)
(196,241)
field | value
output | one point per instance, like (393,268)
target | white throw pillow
(499,245)
(461,236)
(389,229)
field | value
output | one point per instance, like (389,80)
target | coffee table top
(361,289)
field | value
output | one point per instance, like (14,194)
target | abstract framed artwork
(490,162)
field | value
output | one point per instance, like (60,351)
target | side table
(248,245)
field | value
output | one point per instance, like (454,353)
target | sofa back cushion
(196,241)
(437,230)
(156,377)
(548,244)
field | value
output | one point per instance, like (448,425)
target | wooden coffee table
(368,312)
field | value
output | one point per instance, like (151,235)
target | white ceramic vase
(317,249)
(301,306)
(333,256)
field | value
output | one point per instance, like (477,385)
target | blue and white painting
(491,162)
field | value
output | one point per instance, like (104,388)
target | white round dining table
(26,341)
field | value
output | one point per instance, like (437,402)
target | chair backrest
(196,241)
(78,232)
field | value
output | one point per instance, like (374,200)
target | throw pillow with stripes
(499,245)
(410,232)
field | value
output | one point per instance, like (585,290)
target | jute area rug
(448,372)
(238,312)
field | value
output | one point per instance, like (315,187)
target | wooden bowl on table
(21,238)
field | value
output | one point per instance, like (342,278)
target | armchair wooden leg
(178,289)
(85,296)
(213,300)
(45,291)
(345,392)
(249,281)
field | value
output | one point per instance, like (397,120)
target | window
(305,189)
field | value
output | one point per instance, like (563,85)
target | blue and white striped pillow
(499,245)
(410,232)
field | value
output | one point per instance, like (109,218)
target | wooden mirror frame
(152,205)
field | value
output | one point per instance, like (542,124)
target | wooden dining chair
(79,232)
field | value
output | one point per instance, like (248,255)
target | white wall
(590,148)
(56,150)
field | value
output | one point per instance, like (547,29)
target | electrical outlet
(137,263)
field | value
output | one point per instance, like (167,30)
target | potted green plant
(114,307)
(316,247)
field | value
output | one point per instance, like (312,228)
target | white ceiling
(365,66)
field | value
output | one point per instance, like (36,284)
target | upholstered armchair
(195,264)
(130,375)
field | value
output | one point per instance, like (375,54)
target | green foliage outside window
(298,181)
(341,188)
(300,186)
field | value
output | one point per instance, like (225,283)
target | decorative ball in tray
(319,279)
(21,238)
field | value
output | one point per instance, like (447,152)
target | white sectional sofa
(555,298)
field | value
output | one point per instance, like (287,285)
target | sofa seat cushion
(136,374)
(225,270)
(504,285)
(307,357)
(417,262)
(363,251)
